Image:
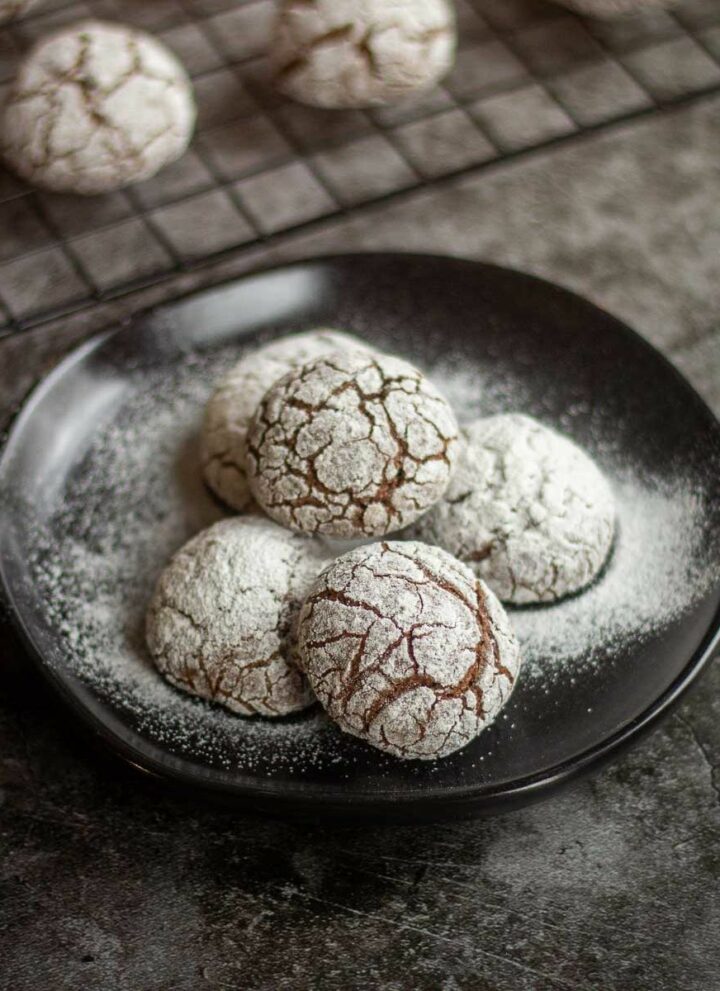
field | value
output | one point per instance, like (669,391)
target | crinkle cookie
(10,9)
(615,8)
(351,445)
(232,405)
(406,649)
(527,509)
(96,106)
(221,623)
(358,53)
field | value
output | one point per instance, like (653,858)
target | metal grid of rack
(528,74)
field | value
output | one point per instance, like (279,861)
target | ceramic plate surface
(99,483)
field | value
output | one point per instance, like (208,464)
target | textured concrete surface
(107,882)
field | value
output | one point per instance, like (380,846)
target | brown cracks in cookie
(343,33)
(344,505)
(229,411)
(363,695)
(360,74)
(220,630)
(526,508)
(129,160)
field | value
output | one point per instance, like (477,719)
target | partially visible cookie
(406,649)
(233,403)
(526,509)
(96,106)
(351,445)
(221,623)
(359,53)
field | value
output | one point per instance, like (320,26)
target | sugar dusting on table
(139,496)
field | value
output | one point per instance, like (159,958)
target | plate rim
(470,799)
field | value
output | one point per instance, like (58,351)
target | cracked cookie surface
(223,443)
(407,649)
(221,622)
(351,445)
(358,53)
(96,106)
(526,509)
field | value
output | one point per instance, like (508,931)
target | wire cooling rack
(528,74)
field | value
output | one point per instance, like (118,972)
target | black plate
(69,498)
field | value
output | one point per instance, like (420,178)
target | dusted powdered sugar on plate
(643,589)
(653,572)
(138,498)
(139,495)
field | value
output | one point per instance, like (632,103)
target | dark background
(108,881)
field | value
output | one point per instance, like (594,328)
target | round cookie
(527,510)
(221,621)
(351,445)
(406,649)
(615,8)
(360,53)
(10,9)
(230,408)
(96,106)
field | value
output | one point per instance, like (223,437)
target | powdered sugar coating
(615,8)
(406,649)
(351,445)
(232,405)
(10,9)
(97,106)
(221,621)
(527,510)
(359,53)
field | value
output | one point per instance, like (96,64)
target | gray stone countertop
(106,882)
